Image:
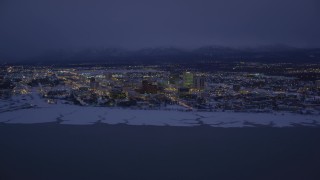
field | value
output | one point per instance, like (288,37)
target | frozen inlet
(78,115)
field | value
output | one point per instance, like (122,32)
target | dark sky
(29,27)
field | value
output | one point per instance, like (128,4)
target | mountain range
(268,54)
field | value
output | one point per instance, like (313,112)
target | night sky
(31,27)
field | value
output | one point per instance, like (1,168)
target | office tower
(199,82)
(187,79)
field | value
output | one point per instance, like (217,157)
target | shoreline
(70,114)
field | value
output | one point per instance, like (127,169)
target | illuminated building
(318,83)
(187,79)
(148,87)
(199,82)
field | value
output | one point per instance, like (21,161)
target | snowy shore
(78,115)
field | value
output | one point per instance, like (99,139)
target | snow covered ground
(32,109)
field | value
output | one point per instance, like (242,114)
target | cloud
(34,26)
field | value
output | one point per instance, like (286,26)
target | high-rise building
(108,75)
(174,78)
(199,82)
(148,87)
(187,79)
(93,83)
(318,83)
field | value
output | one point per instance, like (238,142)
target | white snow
(17,110)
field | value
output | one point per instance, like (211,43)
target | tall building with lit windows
(199,82)
(187,79)
(318,83)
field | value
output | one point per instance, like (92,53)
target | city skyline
(159,89)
